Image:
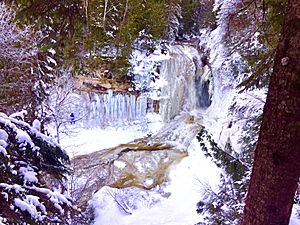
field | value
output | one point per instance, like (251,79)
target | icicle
(189,85)
(112,109)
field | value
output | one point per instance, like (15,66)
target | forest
(122,112)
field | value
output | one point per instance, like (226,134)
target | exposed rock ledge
(102,85)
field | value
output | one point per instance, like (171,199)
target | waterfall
(185,84)
(110,109)
(189,82)
(203,84)
(189,87)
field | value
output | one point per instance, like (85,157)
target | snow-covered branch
(16,44)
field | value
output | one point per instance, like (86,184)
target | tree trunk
(104,13)
(277,157)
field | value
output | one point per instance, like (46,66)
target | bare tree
(61,103)
(22,79)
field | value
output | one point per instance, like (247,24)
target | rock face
(100,85)
(104,102)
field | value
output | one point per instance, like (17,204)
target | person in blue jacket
(72,118)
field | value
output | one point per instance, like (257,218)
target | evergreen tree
(226,205)
(276,169)
(173,15)
(254,38)
(79,31)
(27,158)
(186,22)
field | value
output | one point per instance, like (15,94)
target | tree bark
(277,157)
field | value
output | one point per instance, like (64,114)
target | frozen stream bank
(155,179)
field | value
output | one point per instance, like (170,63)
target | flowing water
(189,85)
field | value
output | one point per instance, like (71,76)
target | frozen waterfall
(185,94)
(189,85)
(111,109)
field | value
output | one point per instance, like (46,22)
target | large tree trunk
(277,158)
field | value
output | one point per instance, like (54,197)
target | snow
(119,164)
(28,174)
(84,141)
(52,51)
(182,191)
(16,187)
(148,182)
(30,205)
(10,34)
(51,60)
(35,201)
(24,206)
(23,137)
(49,68)
(3,136)
(55,197)
(19,115)
(96,139)
(2,221)
(36,124)
(295,220)
(4,195)
(143,67)
(187,178)
(179,208)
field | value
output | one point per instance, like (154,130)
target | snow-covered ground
(181,193)
(185,186)
(80,141)
(186,179)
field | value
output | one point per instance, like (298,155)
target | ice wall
(110,109)
(188,86)
(189,82)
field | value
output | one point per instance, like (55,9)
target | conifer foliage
(86,33)
(26,157)
(276,168)
(250,29)
(224,206)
